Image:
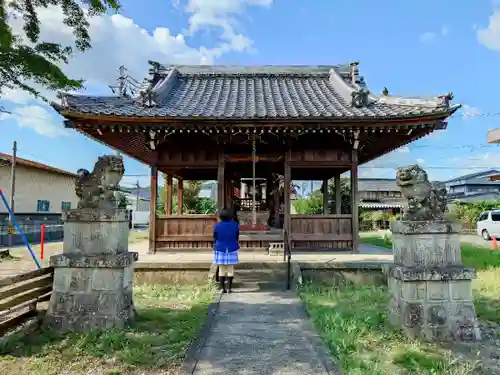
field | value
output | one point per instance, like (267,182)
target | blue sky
(413,48)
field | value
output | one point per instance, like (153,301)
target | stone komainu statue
(426,200)
(96,189)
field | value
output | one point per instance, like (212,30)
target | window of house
(65,206)
(495,216)
(42,206)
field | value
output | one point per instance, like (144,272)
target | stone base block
(435,304)
(95,232)
(91,292)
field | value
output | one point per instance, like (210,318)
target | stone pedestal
(93,276)
(431,291)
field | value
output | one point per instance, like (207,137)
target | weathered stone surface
(93,276)
(426,200)
(426,243)
(102,261)
(406,273)
(93,232)
(430,289)
(96,189)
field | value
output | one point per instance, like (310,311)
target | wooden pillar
(326,208)
(220,182)
(287,192)
(354,201)
(180,196)
(168,195)
(153,186)
(276,200)
(338,195)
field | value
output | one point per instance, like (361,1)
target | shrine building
(254,129)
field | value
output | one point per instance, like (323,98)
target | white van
(488,224)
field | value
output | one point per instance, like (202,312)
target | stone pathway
(264,333)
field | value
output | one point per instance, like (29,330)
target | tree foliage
(313,204)
(469,212)
(26,60)
(192,203)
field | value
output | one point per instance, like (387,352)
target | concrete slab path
(262,333)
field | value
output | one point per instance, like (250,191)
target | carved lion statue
(426,200)
(96,189)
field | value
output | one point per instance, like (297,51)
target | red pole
(42,241)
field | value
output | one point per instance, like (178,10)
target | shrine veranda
(254,130)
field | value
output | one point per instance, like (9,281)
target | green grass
(485,287)
(169,318)
(352,322)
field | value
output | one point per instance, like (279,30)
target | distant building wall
(33,184)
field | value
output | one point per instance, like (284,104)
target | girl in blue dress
(226,246)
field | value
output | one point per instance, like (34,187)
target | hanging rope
(254,162)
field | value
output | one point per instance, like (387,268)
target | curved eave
(74,115)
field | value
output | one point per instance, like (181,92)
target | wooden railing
(321,232)
(184,231)
(20,295)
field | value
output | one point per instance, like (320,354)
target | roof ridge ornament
(360,97)
(354,72)
(445,100)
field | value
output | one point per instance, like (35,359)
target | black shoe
(222,280)
(230,283)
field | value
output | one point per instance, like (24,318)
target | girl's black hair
(226,215)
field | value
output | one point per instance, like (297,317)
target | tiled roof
(274,92)
(377,184)
(469,176)
(33,164)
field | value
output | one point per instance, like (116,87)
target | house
(472,187)
(381,194)
(39,188)
(138,204)
(208,190)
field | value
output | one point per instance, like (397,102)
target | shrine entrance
(254,129)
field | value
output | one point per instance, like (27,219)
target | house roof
(249,92)
(377,184)
(474,175)
(33,164)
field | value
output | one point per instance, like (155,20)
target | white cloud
(16,96)
(420,161)
(469,112)
(490,36)
(386,165)
(223,15)
(37,118)
(432,36)
(117,40)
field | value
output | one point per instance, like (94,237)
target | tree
(25,61)
(122,201)
(192,203)
(345,195)
(313,204)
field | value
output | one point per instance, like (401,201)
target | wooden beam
(354,202)
(338,195)
(180,196)
(326,208)
(220,181)
(153,186)
(168,195)
(287,192)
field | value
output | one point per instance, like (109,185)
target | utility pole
(137,196)
(12,186)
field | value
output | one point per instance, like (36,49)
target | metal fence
(31,225)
